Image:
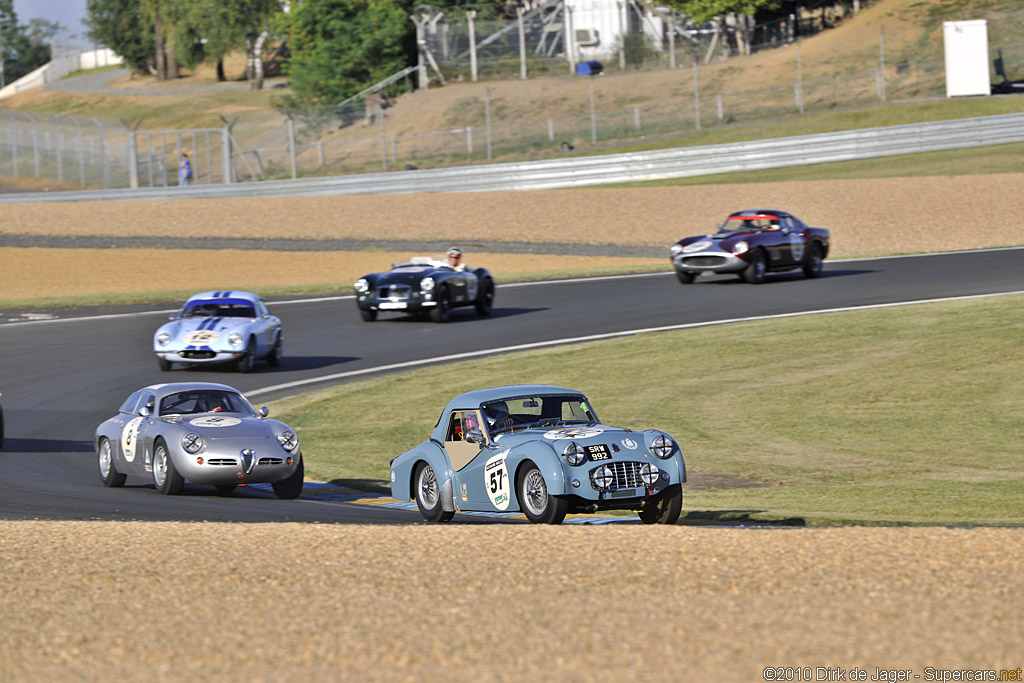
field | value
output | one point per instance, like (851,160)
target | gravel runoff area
(98,601)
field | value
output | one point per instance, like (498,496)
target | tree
(119,25)
(25,47)
(702,10)
(339,47)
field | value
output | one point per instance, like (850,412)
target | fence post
(570,43)
(58,147)
(291,144)
(799,78)
(522,44)
(470,16)
(320,152)
(132,162)
(623,8)
(103,152)
(487,118)
(636,117)
(672,39)
(226,153)
(696,92)
(383,142)
(551,130)
(721,107)
(881,61)
(81,151)
(469,140)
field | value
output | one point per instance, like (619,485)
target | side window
(149,400)
(461,422)
(788,223)
(129,405)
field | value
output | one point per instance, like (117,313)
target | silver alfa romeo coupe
(199,432)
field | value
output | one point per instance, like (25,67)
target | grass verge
(903,416)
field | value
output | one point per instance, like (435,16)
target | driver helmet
(496,412)
(454,254)
(472,422)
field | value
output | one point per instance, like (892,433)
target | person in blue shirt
(184,171)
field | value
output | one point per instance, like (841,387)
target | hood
(210,330)
(558,437)
(215,426)
(405,276)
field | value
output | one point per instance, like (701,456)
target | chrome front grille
(221,461)
(393,292)
(198,354)
(271,461)
(627,475)
(704,261)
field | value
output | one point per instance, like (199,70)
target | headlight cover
(740,247)
(602,477)
(288,441)
(648,473)
(192,442)
(235,340)
(427,284)
(675,249)
(362,286)
(574,453)
(163,339)
(663,446)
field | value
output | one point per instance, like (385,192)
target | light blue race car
(218,327)
(540,450)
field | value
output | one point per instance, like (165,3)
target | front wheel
(290,488)
(814,261)
(666,507)
(439,313)
(247,362)
(685,277)
(108,472)
(368,314)
(755,272)
(485,300)
(539,506)
(164,364)
(165,475)
(428,495)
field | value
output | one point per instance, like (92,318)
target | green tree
(339,47)
(25,47)
(119,25)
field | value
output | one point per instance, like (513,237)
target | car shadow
(724,279)
(699,517)
(463,315)
(57,446)
(287,363)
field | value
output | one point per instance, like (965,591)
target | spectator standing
(184,171)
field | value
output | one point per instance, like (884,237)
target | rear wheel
(814,261)
(291,488)
(539,506)
(755,272)
(665,508)
(439,313)
(685,277)
(108,472)
(247,362)
(274,359)
(368,314)
(165,475)
(428,495)
(485,299)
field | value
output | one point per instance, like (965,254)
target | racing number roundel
(496,480)
(129,438)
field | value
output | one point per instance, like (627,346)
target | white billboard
(966,44)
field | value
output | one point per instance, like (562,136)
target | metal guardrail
(868,143)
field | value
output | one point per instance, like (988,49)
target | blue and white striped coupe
(218,327)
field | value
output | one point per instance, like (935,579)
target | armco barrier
(821,148)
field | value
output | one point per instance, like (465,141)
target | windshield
(752,223)
(204,401)
(537,411)
(220,308)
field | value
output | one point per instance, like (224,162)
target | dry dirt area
(98,601)
(866,217)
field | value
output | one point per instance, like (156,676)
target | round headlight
(235,339)
(675,249)
(288,440)
(427,284)
(574,453)
(362,286)
(602,476)
(163,339)
(740,247)
(663,446)
(192,442)
(648,473)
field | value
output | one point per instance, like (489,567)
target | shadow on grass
(368,485)
(737,517)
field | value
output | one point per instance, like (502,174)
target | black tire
(685,277)
(108,471)
(165,475)
(755,272)
(1,430)
(164,364)
(666,509)
(539,506)
(428,495)
(368,314)
(225,489)
(814,261)
(248,361)
(291,488)
(274,359)
(485,299)
(439,313)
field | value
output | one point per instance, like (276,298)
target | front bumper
(416,301)
(203,356)
(711,261)
(627,491)
(224,464)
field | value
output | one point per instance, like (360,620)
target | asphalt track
(60,378)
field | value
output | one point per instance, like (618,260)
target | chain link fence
(898,61)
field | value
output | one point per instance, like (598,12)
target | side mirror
(172,316)
(264,411)
(144,411)
(475,436)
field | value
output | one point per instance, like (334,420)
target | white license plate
(391,305)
